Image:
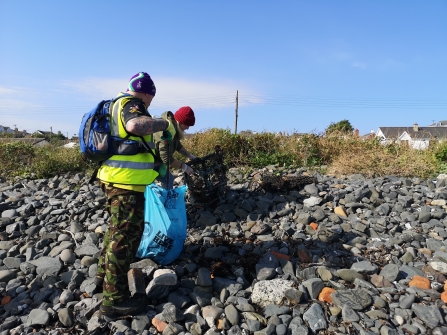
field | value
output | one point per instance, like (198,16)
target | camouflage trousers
(121,241)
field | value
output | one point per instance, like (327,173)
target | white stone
(438,202)
(400,320)
(439,266)
(267,292)
(312,201)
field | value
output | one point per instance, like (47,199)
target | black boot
(129,307)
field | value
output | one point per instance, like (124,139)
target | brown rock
(279,255)
(380,281)
(6,300)
(160,325)
(305,256)
(325,294)
(420,282)
(340,211)
(444,296)
(314,225)
(425,251)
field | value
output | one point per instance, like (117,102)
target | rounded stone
(67,256)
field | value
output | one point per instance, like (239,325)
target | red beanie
(186,116)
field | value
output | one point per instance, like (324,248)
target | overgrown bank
(338,153)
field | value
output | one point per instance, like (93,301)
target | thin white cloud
(170,91)
(360,65)
(33,108)
(94,87)
(16,104)
(7,90)
(342,56)
(390,64)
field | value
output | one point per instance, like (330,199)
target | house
(439,124)
(369,136)
(14,132)
(417,137)
(4,129)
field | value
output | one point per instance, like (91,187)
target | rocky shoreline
(340,256)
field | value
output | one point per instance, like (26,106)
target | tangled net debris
(273,183)
(208,184)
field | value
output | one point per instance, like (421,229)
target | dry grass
(371,163)
(349,155)
(340,154)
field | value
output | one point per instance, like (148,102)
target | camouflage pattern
(121,241)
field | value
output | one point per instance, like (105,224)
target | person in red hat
(182,120)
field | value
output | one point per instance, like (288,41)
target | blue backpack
(96,141)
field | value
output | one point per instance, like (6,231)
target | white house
(417,137)
(439,124)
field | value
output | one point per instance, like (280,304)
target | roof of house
(439,123)
(44,132)
(422,133)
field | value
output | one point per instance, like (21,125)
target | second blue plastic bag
(164,224)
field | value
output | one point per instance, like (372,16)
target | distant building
(439,124)
(416,137)
(15,132)
(4,129)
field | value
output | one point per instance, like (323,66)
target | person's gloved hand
(162,169)
(187,169)
(191,157)
(169,133)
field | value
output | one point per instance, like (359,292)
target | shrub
(15,158)
(340,153)
(374,160)
(439,150)
(343,126)
(24,159)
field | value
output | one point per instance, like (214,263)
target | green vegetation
(25,160)
(340,153)
(343,126)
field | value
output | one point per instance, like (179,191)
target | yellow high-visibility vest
(131,172)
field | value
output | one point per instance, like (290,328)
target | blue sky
(298,65)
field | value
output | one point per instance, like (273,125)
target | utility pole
(235,119)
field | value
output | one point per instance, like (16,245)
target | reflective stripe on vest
(129,165)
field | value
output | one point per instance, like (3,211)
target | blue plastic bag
(164,224)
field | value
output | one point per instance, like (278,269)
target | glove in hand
(169,133)
(162,169)
(187,169)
